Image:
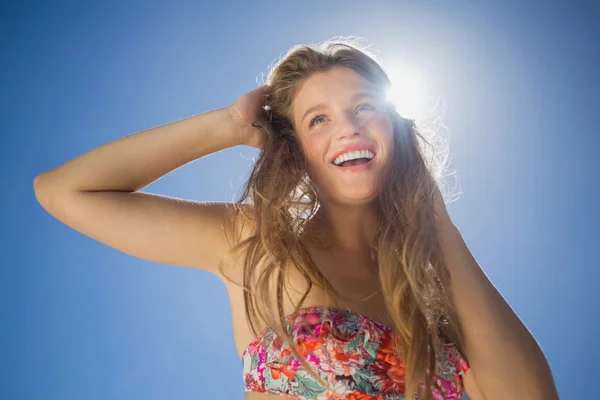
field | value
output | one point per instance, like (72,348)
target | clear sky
(80,320)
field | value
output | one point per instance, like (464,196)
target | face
(339,115)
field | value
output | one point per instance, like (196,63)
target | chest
(357,283)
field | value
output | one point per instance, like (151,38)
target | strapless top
(350,351)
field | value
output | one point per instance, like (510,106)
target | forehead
(337,84)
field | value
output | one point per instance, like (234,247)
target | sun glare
(408,91)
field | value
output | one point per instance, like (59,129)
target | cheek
(315,149)
(384,130)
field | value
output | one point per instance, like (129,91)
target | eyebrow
(357,95)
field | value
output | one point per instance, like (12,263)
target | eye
(314,119)
(367,105)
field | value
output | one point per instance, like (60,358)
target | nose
(349,126)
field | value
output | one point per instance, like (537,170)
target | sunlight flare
(409,90)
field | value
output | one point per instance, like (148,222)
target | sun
(409,90)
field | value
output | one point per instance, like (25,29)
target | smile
(356,164)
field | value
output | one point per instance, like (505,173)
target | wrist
(235,126)
(225,128)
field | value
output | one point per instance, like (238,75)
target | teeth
(353,155)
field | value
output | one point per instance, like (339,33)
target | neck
(348,228)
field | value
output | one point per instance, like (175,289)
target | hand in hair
(251,118)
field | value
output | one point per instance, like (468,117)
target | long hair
(280,199)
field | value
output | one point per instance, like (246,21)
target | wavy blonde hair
(280,199)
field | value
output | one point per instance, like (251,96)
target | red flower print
(362,396)
(278,369)
(389,377)
(252,384)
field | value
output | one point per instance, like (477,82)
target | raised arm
(98,193)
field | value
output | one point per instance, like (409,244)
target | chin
(348,190)
(360,196)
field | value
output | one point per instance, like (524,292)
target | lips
(352,147)
(357,167)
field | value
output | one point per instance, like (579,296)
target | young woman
(347,278)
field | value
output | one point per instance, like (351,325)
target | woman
(346,276)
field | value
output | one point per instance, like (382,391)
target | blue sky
(81,320)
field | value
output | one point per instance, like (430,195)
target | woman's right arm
(98,193)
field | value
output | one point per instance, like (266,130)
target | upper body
(336,114)
(261,354)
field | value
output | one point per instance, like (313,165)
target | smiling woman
(338,255)
(365,313)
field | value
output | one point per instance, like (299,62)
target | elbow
(41,184)
(37,184)
(40,188)
(43,187)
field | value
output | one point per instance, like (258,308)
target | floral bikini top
(350,351)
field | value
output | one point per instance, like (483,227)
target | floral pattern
(352,352)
